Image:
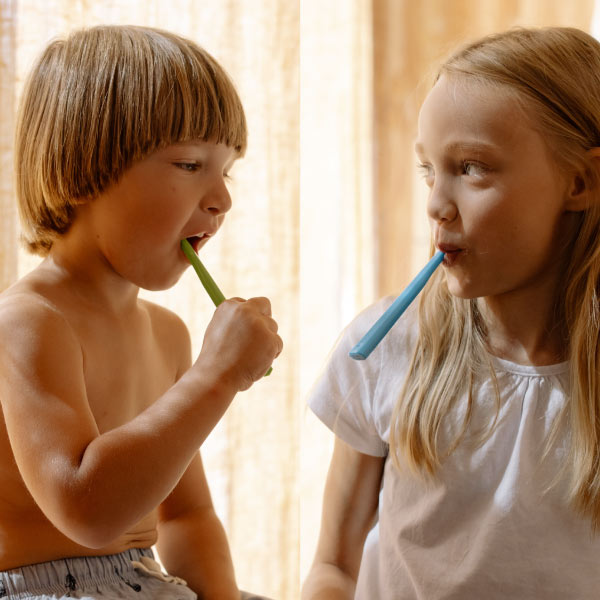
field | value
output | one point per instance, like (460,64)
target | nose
(217,200)
(440,204)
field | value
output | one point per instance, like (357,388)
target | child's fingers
(242,339)
(279,346)
(271,324)
(262,304)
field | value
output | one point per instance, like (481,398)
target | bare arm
(349,508)
(92,486)
(191,540)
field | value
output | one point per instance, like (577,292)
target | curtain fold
(336,215)
(8,216)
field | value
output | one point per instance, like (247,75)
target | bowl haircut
(101,99)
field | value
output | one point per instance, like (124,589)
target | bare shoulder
(27,314)
(170,332)
(38,345)
(165,322)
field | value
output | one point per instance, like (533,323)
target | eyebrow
(198,143)
(462,146)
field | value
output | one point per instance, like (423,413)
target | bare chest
(125,370)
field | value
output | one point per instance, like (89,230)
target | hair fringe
(103,98)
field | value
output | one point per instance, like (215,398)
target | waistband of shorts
(67,574)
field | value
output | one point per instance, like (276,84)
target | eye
(426,172)
(190,167)
(473,169)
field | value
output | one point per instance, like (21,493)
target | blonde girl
(467,453)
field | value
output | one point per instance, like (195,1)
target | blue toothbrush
(378,331)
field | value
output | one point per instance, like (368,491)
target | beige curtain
(8,221)
(328,211)
(336,191)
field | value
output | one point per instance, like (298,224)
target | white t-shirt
(488,527)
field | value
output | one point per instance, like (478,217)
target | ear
(584,187)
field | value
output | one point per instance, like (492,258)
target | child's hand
(240,343)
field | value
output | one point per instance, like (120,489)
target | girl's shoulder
(385,368)
(355,398)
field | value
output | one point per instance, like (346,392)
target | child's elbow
(71,501)
(94,538)
(83,524)
(89,533)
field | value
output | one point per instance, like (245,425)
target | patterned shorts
(130,575)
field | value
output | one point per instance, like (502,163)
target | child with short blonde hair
(124,142)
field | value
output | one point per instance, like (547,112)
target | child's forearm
(195,548)
(328,582)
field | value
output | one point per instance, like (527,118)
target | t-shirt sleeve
(344,394)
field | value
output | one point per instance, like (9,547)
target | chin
(162,285)
(461,291)
(156,283)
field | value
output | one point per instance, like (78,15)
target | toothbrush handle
(212,289)
(378,331)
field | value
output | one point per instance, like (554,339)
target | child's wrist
(211,382)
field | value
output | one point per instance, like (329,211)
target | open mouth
(196,241)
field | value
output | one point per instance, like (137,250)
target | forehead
(460,111)
(200,148)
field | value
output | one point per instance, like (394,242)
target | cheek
(160,212)
(159,216)
(492,217)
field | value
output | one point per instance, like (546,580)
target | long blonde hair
(555,73)
(103,98)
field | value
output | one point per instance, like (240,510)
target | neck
(526,325)
(86,272)
(524,328)
(524,339)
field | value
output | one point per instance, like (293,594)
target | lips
(196,241)
(451,252)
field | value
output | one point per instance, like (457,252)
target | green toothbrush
(212,289)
